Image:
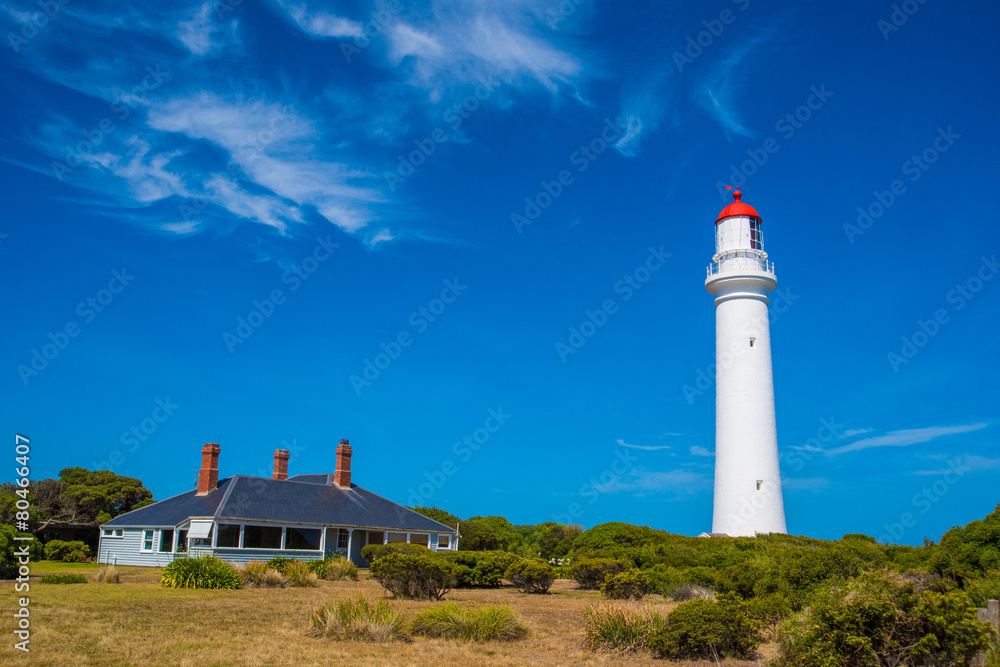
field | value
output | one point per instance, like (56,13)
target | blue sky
(219,215)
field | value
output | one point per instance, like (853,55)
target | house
(242,518)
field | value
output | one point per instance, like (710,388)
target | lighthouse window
(759,482)
(752,341)
(755,240)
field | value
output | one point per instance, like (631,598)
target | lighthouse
(747,477)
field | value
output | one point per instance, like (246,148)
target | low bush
(68,552)
(63,579)
(373,552)
(686,592)
(273,579)
(484,624)
(769,610)
(341,568)
(531,576)
(108,575)
(480,568)
(298,574)
(415,577)
(621,627)
(360,620)
(280,564)
(589,573)
(708,629)
(203,572)
(252,573)
(883,619)
(629,585)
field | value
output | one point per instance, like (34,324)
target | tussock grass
(205,572)
(621,627)
(63,579)
(108,575)
(480,624)
(361,620)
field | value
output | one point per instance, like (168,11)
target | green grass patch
(63,579)
(490,623)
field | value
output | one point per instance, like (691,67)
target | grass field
(138,622)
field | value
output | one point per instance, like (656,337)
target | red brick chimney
(208,477)
(342,476)
(280,464)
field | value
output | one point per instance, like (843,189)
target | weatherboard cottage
(242,518)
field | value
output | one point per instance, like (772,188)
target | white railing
(739,264)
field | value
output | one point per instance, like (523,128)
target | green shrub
(203,572)
(280,564)
(883,619)
(484,624)
(531,576)
(320,567)
(68,552)
(769,610)
(708,629)
(415,577)
(981,589)
(629,585)
(373,552)
(63,579)
(10,549)
(360,620)
(480,568)
(621,627)
(299,575)
(341,568)
(108,575)
(589,573)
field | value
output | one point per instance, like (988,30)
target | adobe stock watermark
(137,434)
(697,44)
(924,501)
(553,17)
(376,24)
(263,309)
(898,17)
(420,320)
(453,117)
(958,297)
(781,300)
(622,464)
(88,309)
(464,450)
(627,286)
(915,167)
(35,22)
(581,158)
(787,126)
(85,150)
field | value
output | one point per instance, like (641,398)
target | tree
(439,515)
(100,495)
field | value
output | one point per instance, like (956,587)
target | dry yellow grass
(138,622)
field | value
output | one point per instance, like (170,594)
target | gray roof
(303,499)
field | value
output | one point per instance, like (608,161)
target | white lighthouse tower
(747,478)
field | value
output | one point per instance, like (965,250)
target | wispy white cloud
(701,451)
(319,23)
(721,87)
(963,464)
(646,447)
(199,33)
(670,482)
(851,432)
(643,108)
(904,438)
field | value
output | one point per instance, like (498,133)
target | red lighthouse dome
(737,208)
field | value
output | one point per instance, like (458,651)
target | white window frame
(152,541)
(265,525)
(116,533)
(173,541)
(447,540)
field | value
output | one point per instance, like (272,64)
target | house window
(182,541)
(262,537)
(302,538)
(112,532)
(444,541)
(396,537)
(147,540)
(229,535)
(419,539)
(166,541)
(343,538)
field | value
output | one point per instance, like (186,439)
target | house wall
(127,550)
